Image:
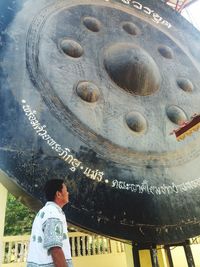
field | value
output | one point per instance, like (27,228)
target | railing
(93,250)
(15,248)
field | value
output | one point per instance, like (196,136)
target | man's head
(55,190)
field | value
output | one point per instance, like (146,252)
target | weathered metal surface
(90,91)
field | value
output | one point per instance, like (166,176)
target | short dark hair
(51,187)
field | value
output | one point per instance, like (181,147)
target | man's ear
(57,194)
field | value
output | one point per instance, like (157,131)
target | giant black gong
(90,91)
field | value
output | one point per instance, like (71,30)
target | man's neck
(59,203)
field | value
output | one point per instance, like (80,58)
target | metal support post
(136,257)
(154,257)
(188,253)
(169,256)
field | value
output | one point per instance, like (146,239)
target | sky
(192,13)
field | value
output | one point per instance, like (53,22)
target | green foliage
(18,220)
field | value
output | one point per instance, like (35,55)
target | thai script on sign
(155,16)
(65,153)
(144,187)
(97,175)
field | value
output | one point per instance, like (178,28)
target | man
(49,242)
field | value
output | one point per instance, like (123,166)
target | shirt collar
(53,204)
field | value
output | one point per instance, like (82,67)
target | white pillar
(129,255)
(3,199)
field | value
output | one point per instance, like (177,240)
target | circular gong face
(90,92)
